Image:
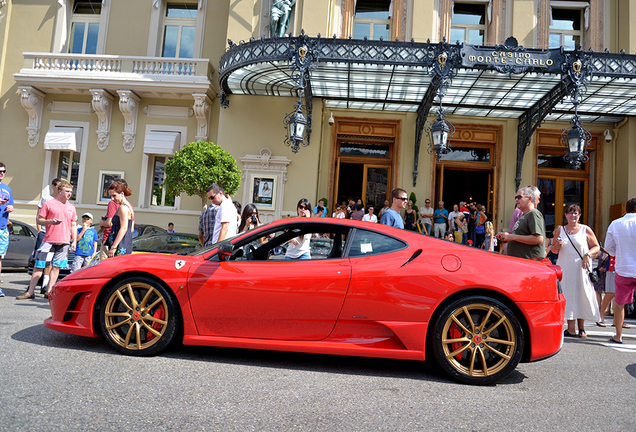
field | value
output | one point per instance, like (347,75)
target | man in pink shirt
(60,216)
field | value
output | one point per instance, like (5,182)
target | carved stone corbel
(129,107)
(102,103)
(32,101)
(202,104)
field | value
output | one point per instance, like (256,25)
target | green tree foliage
(199,164)
(413,198)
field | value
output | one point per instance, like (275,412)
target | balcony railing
(110,64)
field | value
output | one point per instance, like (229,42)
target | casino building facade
(95,90)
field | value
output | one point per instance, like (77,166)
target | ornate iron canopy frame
(543,69)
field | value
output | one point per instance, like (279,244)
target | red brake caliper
(159,314)
(456,333)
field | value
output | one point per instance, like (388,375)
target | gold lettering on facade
(519,58)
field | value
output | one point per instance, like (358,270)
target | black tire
(139,317)
(477,340)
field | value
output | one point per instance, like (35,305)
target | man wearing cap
(86,243)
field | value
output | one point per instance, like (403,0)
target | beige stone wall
(254,122)
(133,39)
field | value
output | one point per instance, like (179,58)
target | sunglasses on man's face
(3,171)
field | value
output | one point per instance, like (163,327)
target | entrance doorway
(457,185)
(367,181)
(363,161)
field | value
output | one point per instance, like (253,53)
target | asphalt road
(52,381)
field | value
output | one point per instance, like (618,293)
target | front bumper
(72,305)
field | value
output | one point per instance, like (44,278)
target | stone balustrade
(85,63)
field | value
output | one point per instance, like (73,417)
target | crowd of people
(573,247)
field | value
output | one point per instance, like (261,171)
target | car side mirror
(225,251)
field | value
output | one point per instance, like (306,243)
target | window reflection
(467,154)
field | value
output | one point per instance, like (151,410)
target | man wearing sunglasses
(208,220)
(526,241)
(391,216)
(6,207)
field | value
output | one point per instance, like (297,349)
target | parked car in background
(144,229)
(22,239)
(166,243)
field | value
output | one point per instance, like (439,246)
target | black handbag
(591,273)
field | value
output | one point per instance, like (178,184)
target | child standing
(86,243)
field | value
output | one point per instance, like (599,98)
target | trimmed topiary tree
(199,164)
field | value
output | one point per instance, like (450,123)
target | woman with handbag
(576,244)
(480,229)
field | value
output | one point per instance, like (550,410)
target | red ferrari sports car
(368,290)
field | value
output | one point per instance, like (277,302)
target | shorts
(50,252)
(609,282)
(625,289)
(4,242)
(79,262)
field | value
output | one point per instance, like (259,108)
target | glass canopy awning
(502,81)
(394,76)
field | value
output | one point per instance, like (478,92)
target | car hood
(160,265)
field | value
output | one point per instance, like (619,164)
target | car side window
(19,230)
(372,243)
(274,246)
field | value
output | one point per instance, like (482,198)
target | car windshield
(207,249)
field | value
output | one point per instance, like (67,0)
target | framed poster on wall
(263,191)
(105,179)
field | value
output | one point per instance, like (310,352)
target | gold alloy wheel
(136,316)
(478,340)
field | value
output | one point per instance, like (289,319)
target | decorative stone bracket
(202,104)
(102,103)
(129,107)
(32,100)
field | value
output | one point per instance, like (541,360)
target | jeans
(305,256)
(428,229)
(440,230)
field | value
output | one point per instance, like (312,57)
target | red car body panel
(376,306)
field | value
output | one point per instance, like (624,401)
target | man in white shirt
(370,217)
(426,213)
(452,216)
(620,242)
(226,217)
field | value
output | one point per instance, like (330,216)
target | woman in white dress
(579,293)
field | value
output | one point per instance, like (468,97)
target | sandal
(582,334)
(614,340)
(601,324)
(568,334)
(625,326)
